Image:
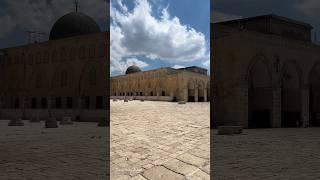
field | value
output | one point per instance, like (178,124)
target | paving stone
(161,173)
(199,175)
(180,167)
(139,177)
(191,159)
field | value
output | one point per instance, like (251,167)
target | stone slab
(160,173)
(180,167)
(191,159)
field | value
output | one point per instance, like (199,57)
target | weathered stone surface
(51,123)
(199,175)
(180,167)
(139,177)
(16,122)
(66,121)
(163,132)
(191,159)
(66,153)
(161,173)
(181,102)
(229,130)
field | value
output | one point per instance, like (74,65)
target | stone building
(163,84)
(64,76)
(266,73)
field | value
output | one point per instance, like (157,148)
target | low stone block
(114,100)
(16,122)
(125,100)
(51,123)
(142,100)
(229,130)
(66,121)
(181,102)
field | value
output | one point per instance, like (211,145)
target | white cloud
(177,66)
(206,63)
(134,61)
(138,32)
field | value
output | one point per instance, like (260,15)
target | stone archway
(201,91)
(191,91)
(291,95)
(259,95)
(314,103)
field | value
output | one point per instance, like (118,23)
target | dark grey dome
(73,24)
(133,69)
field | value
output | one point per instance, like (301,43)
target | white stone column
(196,93)
(305,113)
(276,108)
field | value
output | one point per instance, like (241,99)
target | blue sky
(179,40)
(18,17)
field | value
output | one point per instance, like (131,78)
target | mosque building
(64,76)
(190,84)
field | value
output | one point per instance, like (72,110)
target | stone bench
(125,100)
(16,122)
(114,100)
(229,130)
(66,121)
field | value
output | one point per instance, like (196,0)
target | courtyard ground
(32,152)
(292,153)
(160,140)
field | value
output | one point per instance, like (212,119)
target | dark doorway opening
(314,119)
(201,99)
(260,119)
(291,119)
(191,99)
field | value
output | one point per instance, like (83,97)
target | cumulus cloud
(134,61)
(177,66)
(206,63)
(138,32)
(40,15)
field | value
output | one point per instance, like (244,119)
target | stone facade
(266,74)
(64,77)
(164,84)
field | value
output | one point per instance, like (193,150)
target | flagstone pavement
(160,140)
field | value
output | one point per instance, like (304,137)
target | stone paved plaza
(69,152)
(160,140)
(267,154)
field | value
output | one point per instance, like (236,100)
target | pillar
(276,108)
(305,95)
(184,96)
(196,93)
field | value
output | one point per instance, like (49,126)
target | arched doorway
(201,91)
(314,80)
(291,96)
(259,96)
(191,91)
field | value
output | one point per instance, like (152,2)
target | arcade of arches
(263,79)
(164,84)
